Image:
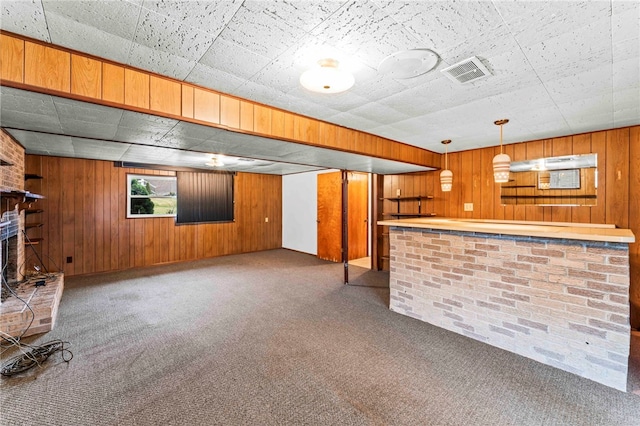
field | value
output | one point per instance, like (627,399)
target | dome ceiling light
(327,77)
(409,63)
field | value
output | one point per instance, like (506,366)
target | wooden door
(330,216)
(357,214)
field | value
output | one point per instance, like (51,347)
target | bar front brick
(532,296)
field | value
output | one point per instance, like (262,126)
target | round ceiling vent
(409,63)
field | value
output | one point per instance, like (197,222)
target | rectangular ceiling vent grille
(467,71)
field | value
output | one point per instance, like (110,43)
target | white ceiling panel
(233,59)
(25,17)
(210,16)
(552,63)
(79,36)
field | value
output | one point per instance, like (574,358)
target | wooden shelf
(28,176)
(410,214)
(33,225)
(33,211)
(34,241)
(410,198)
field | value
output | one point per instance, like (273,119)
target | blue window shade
(204,197)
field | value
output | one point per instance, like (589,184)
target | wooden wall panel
(230,112)
(187,101)
(47,67)
(617,177)
(86,77)
(136,88)
(206,106)
(165,95)
(112,83)
(11,59)
(262,119)
(86,220)
(246,116)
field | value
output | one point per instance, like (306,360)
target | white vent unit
(467,71)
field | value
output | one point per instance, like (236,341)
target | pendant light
(501,162)
(446,176)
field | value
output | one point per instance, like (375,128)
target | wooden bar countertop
(560,230)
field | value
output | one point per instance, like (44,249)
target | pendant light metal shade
(446,176)
(501,162)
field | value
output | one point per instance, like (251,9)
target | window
(151,196)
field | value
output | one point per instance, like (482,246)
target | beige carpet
(274,338)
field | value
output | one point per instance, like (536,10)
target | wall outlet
(468,207)
(398,192)
(69,259)
(266,219)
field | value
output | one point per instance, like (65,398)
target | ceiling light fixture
(446,176)
(326,77)
(215,161)
(409,63)
(501,162)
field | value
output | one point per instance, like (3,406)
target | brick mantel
(564,303)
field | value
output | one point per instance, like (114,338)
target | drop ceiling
(557,68)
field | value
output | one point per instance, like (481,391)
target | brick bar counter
(556,293)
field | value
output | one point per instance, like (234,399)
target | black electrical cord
(36,356)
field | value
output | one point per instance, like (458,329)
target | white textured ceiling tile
(260,32)
(532,21)
(84,38)
(625,20)
(24,17)
(524,99)
(45,144)
(30,102)
(412,102)
(363,30)
(378,113)
(588,107)
(278,77)
(440,25)
(262,94)
(587,84)
(168,35)
(89,130)
(345,101)
(208,16)
(98,150)
(627,99)
(496,41)
(214,79)
(302,14)
(626,74)
(25,120)
(113,17)
(69,109)
(572,53)
(233,59)
(160,62)
(354,121)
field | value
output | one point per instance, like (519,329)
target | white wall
(300,212)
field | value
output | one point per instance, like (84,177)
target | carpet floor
(275,338)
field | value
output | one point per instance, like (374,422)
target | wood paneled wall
(85,218)
(618,193)
(46,68)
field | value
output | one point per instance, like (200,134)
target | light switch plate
(398,192)
(468,207)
